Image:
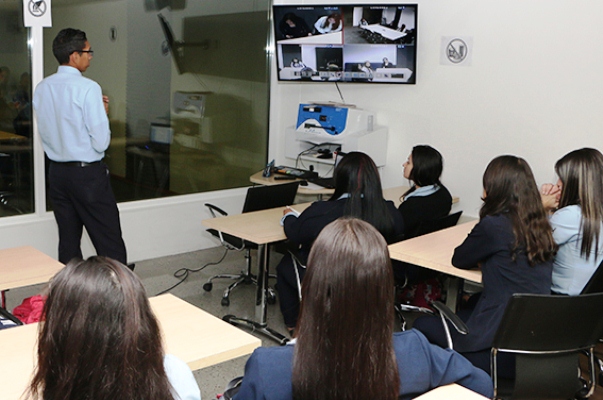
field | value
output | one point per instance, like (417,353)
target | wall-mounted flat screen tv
(364,43)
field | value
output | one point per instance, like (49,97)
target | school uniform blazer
(490,244)
(417,209)
(421,366)
(304,229)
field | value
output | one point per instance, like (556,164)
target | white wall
(533,89)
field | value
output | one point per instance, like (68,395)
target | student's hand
(550,195)
(106,104)
(549,188)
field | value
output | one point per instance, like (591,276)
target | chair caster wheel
(271,299)
(225,301)
(208,286)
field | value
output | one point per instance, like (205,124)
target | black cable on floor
(182,273)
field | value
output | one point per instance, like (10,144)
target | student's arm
(481,243)
(184,385)
(305,228)
(566,224)
(252,381)
(448,366)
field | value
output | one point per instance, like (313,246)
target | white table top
(326,38)
(386,32)
(191,334)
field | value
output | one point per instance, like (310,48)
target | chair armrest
(410,308)
(454,319)
(213,209)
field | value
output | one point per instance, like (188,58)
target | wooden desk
(311,189)
(24,266)
(451,392)
(191,334)
(434,251)
(262,228)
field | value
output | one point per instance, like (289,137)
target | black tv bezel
(278,10)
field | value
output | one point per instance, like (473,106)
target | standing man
(72,119)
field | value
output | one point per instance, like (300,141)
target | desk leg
(454,285)
(261,326)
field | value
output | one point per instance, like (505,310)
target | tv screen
(364,43)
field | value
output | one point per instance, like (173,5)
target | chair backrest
(595,283)
(542,323)
(433,225)
(265,197)
(546,333)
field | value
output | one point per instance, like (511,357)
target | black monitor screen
(346,43)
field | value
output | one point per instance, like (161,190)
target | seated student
(387,64)
(427,199)
(358,193)
(293,26)
(514,247)
(328,23)
(344,348)
(578,220)
(100,340)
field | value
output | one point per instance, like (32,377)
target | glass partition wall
(16,172)
(188,83)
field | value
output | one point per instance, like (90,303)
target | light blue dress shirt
(571,271)
(184,385)
(72,120)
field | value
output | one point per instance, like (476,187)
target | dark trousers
(288,294)
(82,197)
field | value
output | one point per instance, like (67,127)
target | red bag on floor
(30,310)
(423,293)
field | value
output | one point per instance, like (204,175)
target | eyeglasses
(91,52)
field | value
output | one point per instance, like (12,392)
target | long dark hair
(100,339)
(358,176)
(427,166)
(581,175)
(344,346)
(336,17)
(511,189)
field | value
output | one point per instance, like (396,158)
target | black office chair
(547,333)
(433,225)
(258,198)
(595,285)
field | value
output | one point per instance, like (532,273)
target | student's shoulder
(411,337)
(321,206)
(274,356)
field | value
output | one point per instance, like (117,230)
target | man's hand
(106,104)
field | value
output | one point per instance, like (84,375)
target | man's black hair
(68,41)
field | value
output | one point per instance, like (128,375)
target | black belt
(76,163)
